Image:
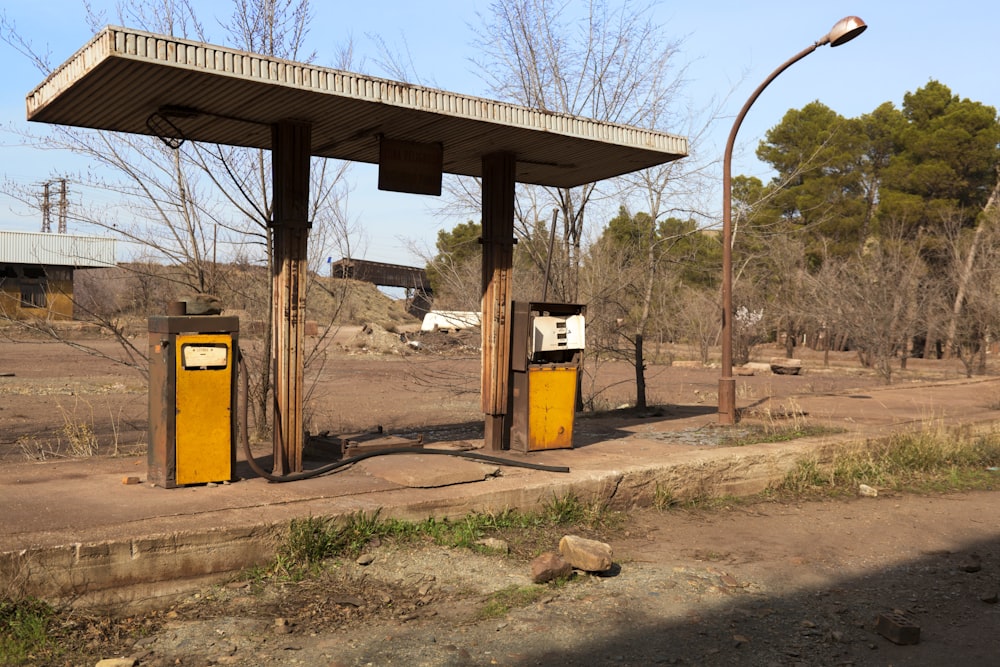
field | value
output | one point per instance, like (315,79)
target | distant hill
(136,291)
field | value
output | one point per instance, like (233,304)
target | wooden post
(498,255)
(290,151)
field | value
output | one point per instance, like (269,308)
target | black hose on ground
(331,467)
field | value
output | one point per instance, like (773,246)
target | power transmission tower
(46,208)
(63,206)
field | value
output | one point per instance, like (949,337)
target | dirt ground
(767,584)
(761,585)
(63,400)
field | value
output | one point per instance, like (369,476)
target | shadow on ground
(949,596)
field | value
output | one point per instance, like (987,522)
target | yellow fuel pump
(192,399)
(546,353)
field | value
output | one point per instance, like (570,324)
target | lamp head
(844,31)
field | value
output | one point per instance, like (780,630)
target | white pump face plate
(205,356)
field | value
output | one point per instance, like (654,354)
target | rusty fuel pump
(546,356)
(192,395)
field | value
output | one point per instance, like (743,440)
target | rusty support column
(498,255)
(290,150)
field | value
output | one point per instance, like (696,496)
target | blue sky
(728,46)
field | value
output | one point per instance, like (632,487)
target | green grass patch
(311,542)
(753,434)
(501,602)
(25,632)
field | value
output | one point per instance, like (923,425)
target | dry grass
(931,460)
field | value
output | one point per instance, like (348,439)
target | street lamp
(844,31)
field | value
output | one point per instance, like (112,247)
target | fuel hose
(336,465)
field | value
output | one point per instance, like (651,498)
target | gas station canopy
(131,81)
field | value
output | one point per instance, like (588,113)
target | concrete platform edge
(140,572)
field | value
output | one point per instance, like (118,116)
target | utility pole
(63,206)
(46,208)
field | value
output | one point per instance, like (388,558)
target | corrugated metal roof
(225,96)
(56,249)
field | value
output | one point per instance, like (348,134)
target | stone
(729,581)
(781,366)
(116,662)
(494,544)
(972,564)
(202,304)
(584,554)
(549,566)
(756,366)
(867,491)
(365,559)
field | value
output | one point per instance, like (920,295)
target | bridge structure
(414,280)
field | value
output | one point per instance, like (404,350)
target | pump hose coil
(336,465)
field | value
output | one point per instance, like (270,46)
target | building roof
(131,81)
(56,249)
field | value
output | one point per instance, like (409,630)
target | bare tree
(698,319)
(607,61)
(671,190)
(196,206)
(878,299)
(974,318)
(986,221)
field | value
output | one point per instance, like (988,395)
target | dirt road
(767,584)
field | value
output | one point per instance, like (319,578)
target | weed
(704,502)
(359,530)
(24,631)
(785,423)
(78,432)
(309,542)
(663,498)
(500,603)
(599,515)
(929,460)
(564,510)
(569,509)
(34,449)
(77,437)
(257,577)
(806,476)
(312,540)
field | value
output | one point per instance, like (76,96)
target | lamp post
(844,31)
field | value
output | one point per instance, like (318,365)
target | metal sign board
(410,166)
